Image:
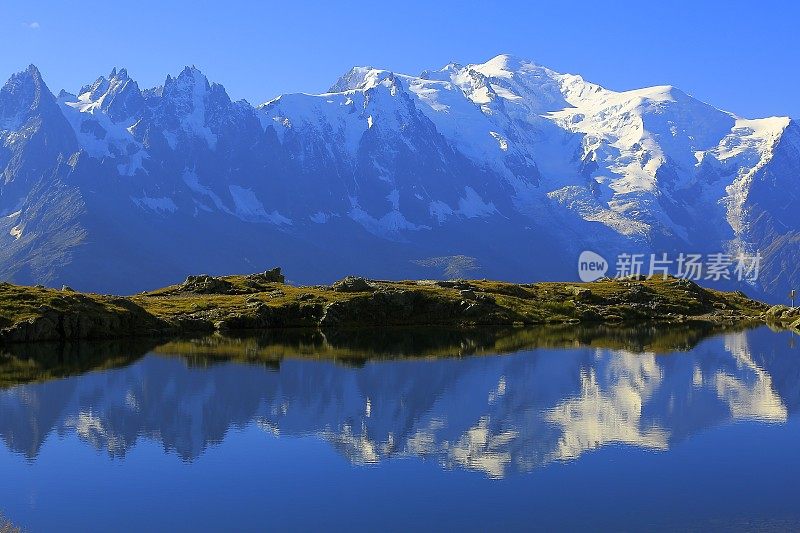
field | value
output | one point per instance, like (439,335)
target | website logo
(591,266)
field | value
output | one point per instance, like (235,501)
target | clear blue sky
(738,55)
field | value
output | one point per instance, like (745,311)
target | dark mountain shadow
(356,346)
(43,361)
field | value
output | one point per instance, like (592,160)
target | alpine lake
(550,428)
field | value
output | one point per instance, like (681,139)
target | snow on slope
(407,158)
(614,158)
(621,159)
(744,150)
(103,128)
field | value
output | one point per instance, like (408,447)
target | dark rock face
(397,307)
(293,315)
(270,276)
(459,284)
(205,284)
(582,295)
(85,319)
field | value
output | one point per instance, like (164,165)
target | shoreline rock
(264,301)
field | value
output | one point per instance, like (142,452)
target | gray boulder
(353,284)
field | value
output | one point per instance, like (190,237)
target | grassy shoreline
(260,302)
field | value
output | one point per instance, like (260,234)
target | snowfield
(493,161)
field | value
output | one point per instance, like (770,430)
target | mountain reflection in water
(445,395)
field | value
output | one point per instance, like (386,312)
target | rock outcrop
(783,316)
(263,301)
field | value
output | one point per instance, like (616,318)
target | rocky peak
(24,94)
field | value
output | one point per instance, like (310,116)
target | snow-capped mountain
(503,169)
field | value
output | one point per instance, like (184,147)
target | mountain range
(504,169)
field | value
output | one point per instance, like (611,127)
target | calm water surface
(619,430)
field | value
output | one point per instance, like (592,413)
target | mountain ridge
(495,161)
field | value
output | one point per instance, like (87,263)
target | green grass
(248,302)
(19,303)
(538,302)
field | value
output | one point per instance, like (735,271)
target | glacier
(115,188)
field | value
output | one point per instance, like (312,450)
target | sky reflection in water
(327,421)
